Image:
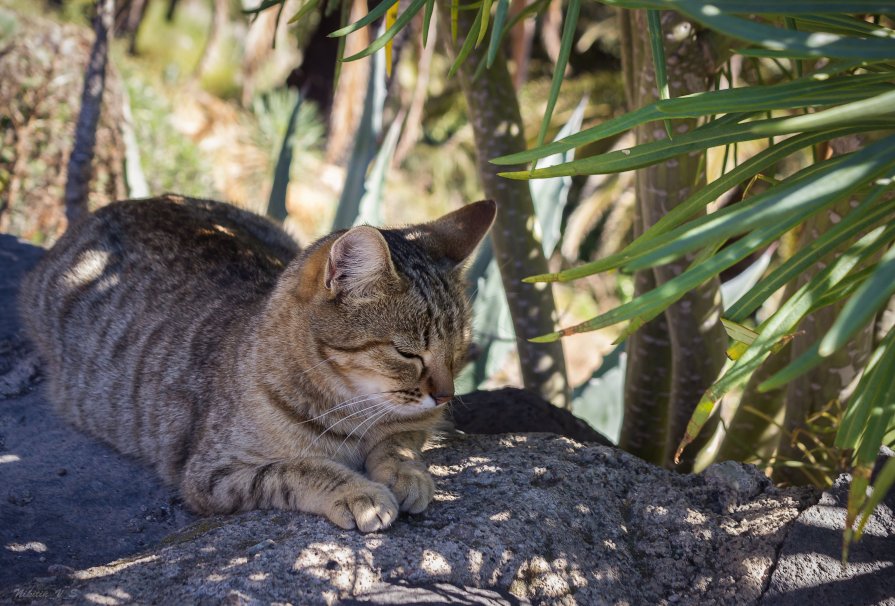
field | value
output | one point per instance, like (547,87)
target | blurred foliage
(178,45)
(38,108)
(171,161)
(272,112)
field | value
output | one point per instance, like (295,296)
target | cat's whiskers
(321,363)
(385,408)
(346,404)
(366,409)
(373,412)
(360,439)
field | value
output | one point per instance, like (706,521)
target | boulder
(534,517)
(809,568)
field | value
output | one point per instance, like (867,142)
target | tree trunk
(79,165)
(220,10)
(172,8)
(826,385)
(673,359)
(129,16)
(493,110)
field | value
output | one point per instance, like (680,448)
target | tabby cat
(197,337)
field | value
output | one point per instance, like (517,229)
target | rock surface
(511,410)
(809,569)
(537,517)
(65,498)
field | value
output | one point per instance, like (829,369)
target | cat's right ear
(359,260)
(456,235)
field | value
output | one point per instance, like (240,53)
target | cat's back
(165,250)
(135,300)
(188,235)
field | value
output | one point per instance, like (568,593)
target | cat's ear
(456,235)
(359,260)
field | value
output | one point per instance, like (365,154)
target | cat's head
(387,308)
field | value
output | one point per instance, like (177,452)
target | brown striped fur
(197,337)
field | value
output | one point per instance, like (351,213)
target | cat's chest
(296,440)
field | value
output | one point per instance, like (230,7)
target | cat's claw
(369,508)
(411,484)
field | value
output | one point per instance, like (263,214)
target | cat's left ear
(358,262)
(456,235)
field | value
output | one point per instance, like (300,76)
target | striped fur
(197,337)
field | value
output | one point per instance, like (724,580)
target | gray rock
(735,483)
(512,410)
(810,569)
(526,517)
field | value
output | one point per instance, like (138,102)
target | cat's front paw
(368,507)
(409,481)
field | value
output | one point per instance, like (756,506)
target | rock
(810,571)
(735,483)
(19,367)
(59,570)
(20,498)
(512,410)
(517,517)
(259,547)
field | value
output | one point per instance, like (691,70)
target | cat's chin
(427,403)
(411,409)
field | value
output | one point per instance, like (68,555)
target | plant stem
(493,111)
(673,359)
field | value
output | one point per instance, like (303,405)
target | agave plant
(841,85)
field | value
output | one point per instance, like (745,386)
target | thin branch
(77,185)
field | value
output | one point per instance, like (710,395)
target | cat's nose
(440,384)
(443,398)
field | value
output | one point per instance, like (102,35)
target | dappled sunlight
(236,562)
(113,598)
(344,568)
(503,516)
(34,546)
(536,532)
(444,496)
(554,579)
(113,568)
(88,267)
(434,563)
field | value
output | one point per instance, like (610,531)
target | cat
(197,337)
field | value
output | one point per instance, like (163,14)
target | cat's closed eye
(407,354)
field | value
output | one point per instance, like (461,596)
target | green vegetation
(838,101)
